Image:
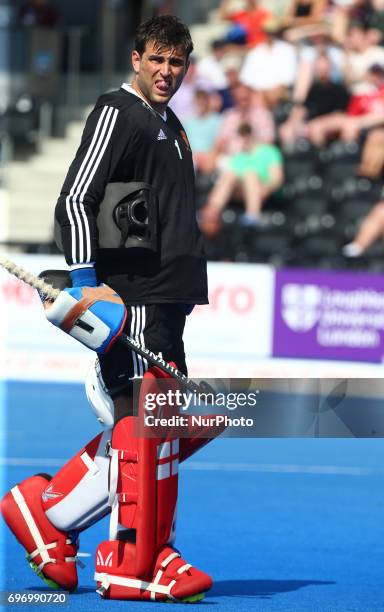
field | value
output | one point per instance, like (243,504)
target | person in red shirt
(365,111)
(250,20)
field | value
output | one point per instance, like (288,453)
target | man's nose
(165,69)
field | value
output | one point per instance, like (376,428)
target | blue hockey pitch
(281,525)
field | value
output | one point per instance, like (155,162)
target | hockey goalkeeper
(126,223)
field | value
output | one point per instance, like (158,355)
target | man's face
(323,69)
(159,72)
(356,39)
(242,97)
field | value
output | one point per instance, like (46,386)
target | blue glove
(83,277)
(95,316)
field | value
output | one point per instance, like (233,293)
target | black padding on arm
(59,279)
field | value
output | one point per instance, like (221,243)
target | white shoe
(249,220)
(352,249)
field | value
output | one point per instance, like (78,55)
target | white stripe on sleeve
(74,201)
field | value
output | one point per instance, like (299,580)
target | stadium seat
(268,245)
(354,187)
(352,211)
(338,151)
(295,168)
(339,171)
(307,205)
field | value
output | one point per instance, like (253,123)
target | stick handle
(34,281)
(155,360)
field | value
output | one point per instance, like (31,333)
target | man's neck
(159,108)
(129,87)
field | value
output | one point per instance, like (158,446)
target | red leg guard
(144,484)
(170,579)
(51,552)
(143,495)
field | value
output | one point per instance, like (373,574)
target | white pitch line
(211,466)
(277,468)
(31,462)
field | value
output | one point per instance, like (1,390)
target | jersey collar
(130,89)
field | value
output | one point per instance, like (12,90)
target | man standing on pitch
(126,218)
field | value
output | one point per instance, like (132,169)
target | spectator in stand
(255,172)
(364,112)
(316,43)
(372,156)
(248,108)
(271,67)
(248,21)
(360,56)
(368,13)
(376,22)
(162,7)
(183,102)
(202,129)
(324,98)
(303,12)
(39,13)
(211,67)
(231,66)
(371,229)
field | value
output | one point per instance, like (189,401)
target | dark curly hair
(166,31)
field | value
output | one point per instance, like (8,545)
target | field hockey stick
(49,292)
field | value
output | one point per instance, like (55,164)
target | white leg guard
(77,495)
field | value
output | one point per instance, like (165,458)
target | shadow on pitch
(263,589)
(45,589)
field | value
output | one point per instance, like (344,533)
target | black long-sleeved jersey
(125,140)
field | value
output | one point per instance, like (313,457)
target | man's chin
(161,99)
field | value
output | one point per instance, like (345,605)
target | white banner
(237,323)
(230,338)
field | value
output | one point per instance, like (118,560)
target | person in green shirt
(255,172)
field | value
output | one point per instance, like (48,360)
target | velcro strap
(75,560)
(107,579)
(128,498)
(117,455)
(90,464)
(90,295)
(38,551)
(43,563)
(32,527)
(170,558)
(184,568)
(123,455)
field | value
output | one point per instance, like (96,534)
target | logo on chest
(161,135)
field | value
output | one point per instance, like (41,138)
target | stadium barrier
(261,322)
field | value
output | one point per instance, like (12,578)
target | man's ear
(135,58)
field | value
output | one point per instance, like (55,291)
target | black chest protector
(127,218)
